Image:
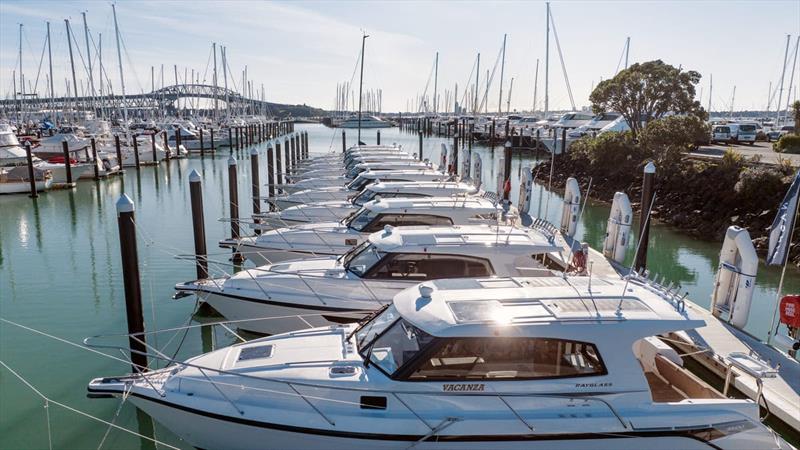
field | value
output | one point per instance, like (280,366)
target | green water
(60,273)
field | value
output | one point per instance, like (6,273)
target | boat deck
(781,393)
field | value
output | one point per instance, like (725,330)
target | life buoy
(790,311)
(507,188)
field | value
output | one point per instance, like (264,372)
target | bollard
(153,147)
(507,170)
(379,137)
(130,276)
(198,224)
(31,176)
(67,165)
(278,170)
(270,174)
(212,139)
(648,183)
(202,147)
(255,185)
(167,150)
(420,145)
(344,143)
(233,197)
(135,153)
(94,160)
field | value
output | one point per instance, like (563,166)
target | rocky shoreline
(700,199)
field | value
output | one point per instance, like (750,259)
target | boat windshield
(361,219)
(358,183)
(375,325)
(365,196)
(397,344)
(362,258)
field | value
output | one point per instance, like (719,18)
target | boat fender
(790,311)
(571,208)
(525,190)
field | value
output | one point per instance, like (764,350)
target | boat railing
(293,385)
(669,292)
(549,230)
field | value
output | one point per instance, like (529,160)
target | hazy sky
(301,50)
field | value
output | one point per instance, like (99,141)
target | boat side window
(508,358)
(405,220)
(425,266)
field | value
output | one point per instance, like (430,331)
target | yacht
(13,155)
(366,122)
(338,210)
(320,291)
(348,173)
(482,363)
(593,126)
(15,180)
(573,120)
(388,170)
(336,238)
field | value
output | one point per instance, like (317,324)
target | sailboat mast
(547,63)
(21,78)
(225,78)
(486,95)
(50,62)
(89,60)
(435,82)
(508,102)
(361,85)
(72,66)
(477,76)
(783,73)
(216,100)
(733,98)
(119,61)
(627,50)
(535,85)
(100,61)
(791,79)
(710,91)
(502,72)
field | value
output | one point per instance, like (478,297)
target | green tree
(646,91)
(796,111)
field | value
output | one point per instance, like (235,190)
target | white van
(721,134)
(745,132)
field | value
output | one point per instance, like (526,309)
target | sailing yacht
(366,122)
(336,238)
(482,363)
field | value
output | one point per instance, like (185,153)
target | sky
(300,50)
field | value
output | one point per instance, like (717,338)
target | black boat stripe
(413,438)
(276,303)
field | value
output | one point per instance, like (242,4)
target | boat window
(397,345)
(375,326)
(369,194)
(361,262)
(358,183)
(361,219)
(425,266)
(405,220)
(509,358)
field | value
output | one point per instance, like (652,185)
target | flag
(781,231)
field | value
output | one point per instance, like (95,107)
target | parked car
(774,134)
(721,134)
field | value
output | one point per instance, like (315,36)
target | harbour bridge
(165,98)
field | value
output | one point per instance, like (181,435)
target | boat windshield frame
(356,222)
(356,252)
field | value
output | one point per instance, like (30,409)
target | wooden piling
(167,150)
(202,147)
(153,147)
(135,153)
(126,223)
(506,170)
(287,157)
(255,184)
(212,139)
(198,224)
(31,175)
(379,137)
(453,169)
(67,165)
(278,170)
(233,199)
(344,142)
(230,139)
(178,142)
(270,174)
(420,145)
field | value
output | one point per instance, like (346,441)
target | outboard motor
(571,208)
(619,228)
(736,276)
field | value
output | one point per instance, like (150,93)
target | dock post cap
(269,144)
(231,161)
(507,144)
(650,167)
(125,204)
(194,177)
(253,151)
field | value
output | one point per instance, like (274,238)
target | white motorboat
(354,187)
(12,155)
(595,125)
(15,180)
(388,171)
(366,122)
(336,238)
(321,291)
(348,173)
(526,363)
(339,209)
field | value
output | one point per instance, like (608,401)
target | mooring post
(648,183)
(119,151)
(298,147)
(135,153)
(233,198)
(471,134)
(293,152)
(270,174)
(31,177)
(287,157)
(94,160)
(230,138)
(491,134)
(211,130)
(508,123)
(305,144)
(153,147)
(202,147)
(278,164)
(563,141)
(420,144)
(126,222)
(344,142)
(453,169)
(198,224)
(178,142)
(507,170)
(167,150)
(67,166)
(255,185)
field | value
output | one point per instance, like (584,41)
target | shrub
(680,131)
(788,143)
(759,186)
(609,153)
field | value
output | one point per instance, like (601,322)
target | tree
(796,111)
(646,91)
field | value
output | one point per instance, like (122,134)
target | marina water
(60,274)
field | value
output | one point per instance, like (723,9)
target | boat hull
(23,187)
